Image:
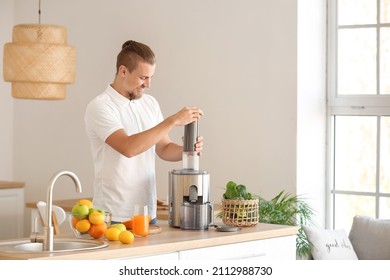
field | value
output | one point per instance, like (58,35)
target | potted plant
(239,207)
(287,209)
(242,208)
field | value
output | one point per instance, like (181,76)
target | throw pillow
(329,244)
(370,238)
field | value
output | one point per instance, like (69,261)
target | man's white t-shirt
(121,183)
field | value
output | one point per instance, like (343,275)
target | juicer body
(189,199)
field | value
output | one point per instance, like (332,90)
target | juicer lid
(188,172)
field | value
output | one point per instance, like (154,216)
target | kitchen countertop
(168,241)
(11,185)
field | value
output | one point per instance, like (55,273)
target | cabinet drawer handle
(250,256)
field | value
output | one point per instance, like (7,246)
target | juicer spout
(193,194)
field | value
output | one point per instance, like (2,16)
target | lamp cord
(39,12)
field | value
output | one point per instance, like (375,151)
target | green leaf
(235,191)
(231,190)
(291,210)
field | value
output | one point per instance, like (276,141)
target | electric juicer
(189,188)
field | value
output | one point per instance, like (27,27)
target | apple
(121,227)
(80,211)
(92,210)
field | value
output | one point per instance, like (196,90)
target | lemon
(83,225)
(86,202)
(96,218)
(112,234)
(126,237)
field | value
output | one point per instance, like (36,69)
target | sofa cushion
(370,238)
(329,244)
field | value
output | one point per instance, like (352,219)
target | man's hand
(187,115)
(199,145)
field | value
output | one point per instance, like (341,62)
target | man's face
(138,80)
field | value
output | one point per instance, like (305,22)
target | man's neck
(121,92)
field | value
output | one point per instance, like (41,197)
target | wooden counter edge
(11,185)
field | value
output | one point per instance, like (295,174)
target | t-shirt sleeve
(101,121)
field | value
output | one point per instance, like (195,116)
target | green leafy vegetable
(238,192)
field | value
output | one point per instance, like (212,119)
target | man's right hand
(187,115)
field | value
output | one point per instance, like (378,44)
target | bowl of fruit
(87,221)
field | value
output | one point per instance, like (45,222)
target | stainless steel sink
(45,242)
(60,245)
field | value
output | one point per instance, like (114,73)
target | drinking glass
(141,221)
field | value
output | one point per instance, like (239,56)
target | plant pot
(242,213)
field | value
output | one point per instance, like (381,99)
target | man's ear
(122,70)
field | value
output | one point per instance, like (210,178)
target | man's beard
(133,95)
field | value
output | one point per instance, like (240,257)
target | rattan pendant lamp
(38,62)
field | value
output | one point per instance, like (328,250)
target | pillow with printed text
(329,244)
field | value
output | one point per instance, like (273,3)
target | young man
(126,129)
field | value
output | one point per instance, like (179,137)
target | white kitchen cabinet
(11,210)
(280,248)
(169,256)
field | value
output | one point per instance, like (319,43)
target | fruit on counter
(74,221)
(80,211)
(112,233)
(128,224)
(87,219)
(96,217)
(97,230)
(93,210)
(83,225)
(126,237)
(121,226)
(86,202)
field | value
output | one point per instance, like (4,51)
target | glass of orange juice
(140,221)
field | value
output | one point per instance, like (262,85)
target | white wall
(311,112)
(237,60)
(6,101)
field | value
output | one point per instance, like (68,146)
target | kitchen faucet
(48,230)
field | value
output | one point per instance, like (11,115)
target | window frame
(349,105)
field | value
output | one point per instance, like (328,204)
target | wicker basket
(242,213)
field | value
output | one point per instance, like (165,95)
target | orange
(128,224)
(74,221)
(126,237)
(83,225)
(97,230)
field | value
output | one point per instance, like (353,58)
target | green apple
(121,227)
(96,210)
(80,211)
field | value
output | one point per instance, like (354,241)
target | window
(359,110)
